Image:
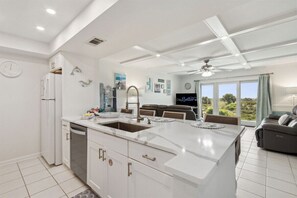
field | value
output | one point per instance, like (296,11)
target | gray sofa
(272,136)
(190,114)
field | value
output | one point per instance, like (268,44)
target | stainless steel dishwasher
(78,151)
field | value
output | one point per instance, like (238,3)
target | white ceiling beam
(216,26)
(207,42)
(266,25)
(152,53)
(192,62)
(261,49)
(251,62)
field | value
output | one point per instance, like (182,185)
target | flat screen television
(189,99)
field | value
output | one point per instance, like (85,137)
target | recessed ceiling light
(40,28)
(224,37)
(244,63)
(158,55)
(182,64)
(236,54)
(51,11)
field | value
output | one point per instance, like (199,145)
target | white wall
(20,108)
(77,99)
(137,77)
(284,76)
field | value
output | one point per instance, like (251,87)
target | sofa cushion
(150,106)
(284,119)
(293,123)
(181,107)
(270,121)
(162,106)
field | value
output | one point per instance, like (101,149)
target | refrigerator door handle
(77,132)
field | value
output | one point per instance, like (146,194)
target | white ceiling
(132,22)
(262,31)
(20,17)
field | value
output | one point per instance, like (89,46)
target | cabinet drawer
(66,125)
(110,142)
(152,157)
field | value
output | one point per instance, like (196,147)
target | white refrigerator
(51,112)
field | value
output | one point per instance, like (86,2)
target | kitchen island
(168,159)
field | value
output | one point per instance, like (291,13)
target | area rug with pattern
(86,194)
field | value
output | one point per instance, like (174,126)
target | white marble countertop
(197,150)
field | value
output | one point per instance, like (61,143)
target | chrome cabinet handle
(67,136)
(103,155)
(129,169)
(149,158)
(100,150)
(65,125)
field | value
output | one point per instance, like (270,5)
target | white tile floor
(259,174)
(34,178)
(262,173)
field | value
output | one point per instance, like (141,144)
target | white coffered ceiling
(259,33)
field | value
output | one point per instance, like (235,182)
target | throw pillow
(293,123)
(284,119)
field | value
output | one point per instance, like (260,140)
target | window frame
(216,99)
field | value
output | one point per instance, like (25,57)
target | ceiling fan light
(207,74)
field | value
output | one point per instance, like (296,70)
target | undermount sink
(125,126)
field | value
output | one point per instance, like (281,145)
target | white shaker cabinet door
(117,175)
(97,169)
(66,146)
(146,182)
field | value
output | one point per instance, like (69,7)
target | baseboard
(18,159)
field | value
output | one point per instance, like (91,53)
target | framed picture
(149,85)
(157,88)
(168,87)
(120,81)
(161,81)
(168,92)
(168,84)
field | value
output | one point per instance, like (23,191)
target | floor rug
(86,194)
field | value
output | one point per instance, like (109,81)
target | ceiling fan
(206,70)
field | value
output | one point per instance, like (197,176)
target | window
(227,99)
(230,99)
(207,99)
(248,100)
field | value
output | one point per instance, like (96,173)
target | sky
(248,89)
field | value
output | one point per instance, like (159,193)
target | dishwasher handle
(77,132)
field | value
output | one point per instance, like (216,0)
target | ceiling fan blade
(221,69)
(192,72)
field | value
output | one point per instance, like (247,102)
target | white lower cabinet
(146,182)
(112,174)
(66,143)
(107,172)
(97,168)
(117,175)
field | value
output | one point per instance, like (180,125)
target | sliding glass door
(248,101)
(227,99)
(207,99)
(230,99)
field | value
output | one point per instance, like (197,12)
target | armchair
(272,136)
